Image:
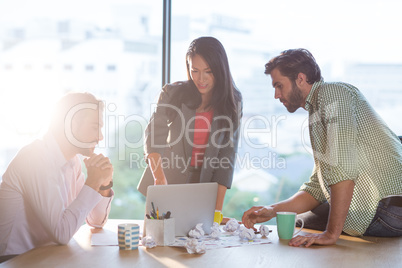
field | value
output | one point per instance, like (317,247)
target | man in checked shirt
(356,183)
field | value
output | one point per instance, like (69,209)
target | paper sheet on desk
(226,240)
(104,237)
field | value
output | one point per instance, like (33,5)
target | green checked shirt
(351,142)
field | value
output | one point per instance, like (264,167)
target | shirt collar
(311,95)
(54,149)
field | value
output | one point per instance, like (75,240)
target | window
(349,44)
(123,38)
(111,68)
(68,67)
(80,43)
(89,68)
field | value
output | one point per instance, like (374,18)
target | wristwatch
(103,187)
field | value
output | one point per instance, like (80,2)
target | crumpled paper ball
(194,247)
(247,234)
(215,231)
(264,230)
(231,226)
(148,242)
(197,232)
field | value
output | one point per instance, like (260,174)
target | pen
(153,215)
(153,207)
(257,232)
(167,216)
(157,213)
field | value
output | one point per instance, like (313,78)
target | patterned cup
(128,236)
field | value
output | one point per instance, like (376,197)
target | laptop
(189,204)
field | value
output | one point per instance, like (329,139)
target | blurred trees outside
(128,203)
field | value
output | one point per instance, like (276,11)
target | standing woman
(193,134)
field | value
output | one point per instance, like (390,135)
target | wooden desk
(348,252)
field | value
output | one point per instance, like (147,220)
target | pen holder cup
(162,231)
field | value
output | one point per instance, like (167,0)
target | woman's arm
(157,131)
(221,197)
(155,164)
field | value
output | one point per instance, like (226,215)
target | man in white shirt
(44,197)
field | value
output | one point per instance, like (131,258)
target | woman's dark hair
(226,98)
(291,62)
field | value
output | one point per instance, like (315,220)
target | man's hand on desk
(257,214)
(317,239)
(341,197)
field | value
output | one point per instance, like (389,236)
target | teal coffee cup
(286,222)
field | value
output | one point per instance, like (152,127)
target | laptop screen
(189,204)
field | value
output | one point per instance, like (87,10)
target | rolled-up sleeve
(313,187)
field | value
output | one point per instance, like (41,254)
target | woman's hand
(161,181)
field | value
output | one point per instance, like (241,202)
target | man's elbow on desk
(62,239)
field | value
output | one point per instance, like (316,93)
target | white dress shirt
(43,199)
